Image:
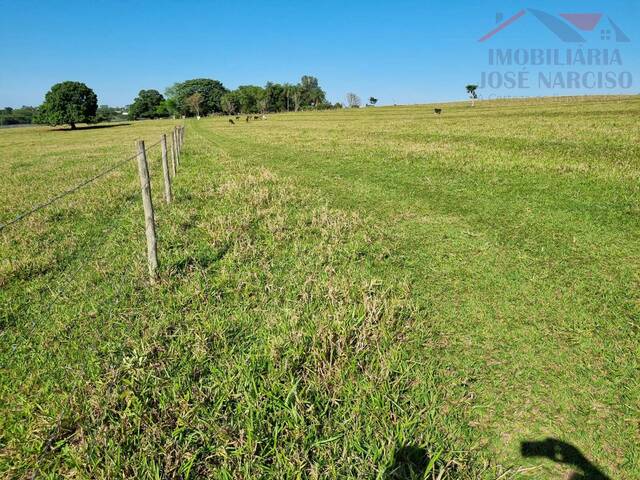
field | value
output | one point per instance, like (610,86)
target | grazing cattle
(256,117)
(247,118)
(264,117)
(232,122)
(437,111)
(237,117)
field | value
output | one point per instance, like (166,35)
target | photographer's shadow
(410,462)
(565,453)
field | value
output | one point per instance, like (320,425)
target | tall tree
(353,100)
(276,96)
(307,82)
(211,91)
(249,97)
(195,102)
(263,105)
(228,103)
(68,102)
(296,96)
(146,105)
(311,95)
(471,91)
(289,90)
(373,100)
(167,108)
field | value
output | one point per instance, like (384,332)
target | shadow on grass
(200,261)
(409,463)
(563,452)
(89,127)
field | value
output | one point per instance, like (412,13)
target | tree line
(25,115)
(17,116)
(204,96)
(74,102)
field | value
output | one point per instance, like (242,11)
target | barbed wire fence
(170,168)
(59,332)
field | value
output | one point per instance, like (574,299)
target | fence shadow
(565,453)
(409,463)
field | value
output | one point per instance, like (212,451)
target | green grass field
(376,293)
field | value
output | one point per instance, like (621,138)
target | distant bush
(17,116)
(105,113)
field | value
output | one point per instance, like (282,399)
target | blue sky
(400,51)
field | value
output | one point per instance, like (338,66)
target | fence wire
(72,190)
(55,293)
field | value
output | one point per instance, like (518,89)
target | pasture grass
(375,293)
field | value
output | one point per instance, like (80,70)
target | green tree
(471,91)
(211,91)
(68,103)
(263,105)
(276,97)
(373,100)
(105,113)
(249,97)
(229,103)
(195,103)
(164,110)
(289,92)
(311,95)
(146,104)
(17,116)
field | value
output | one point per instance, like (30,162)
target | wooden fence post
(173,156)
(165,169)
(174,140)
(177,142)
(175,147)
(149,220)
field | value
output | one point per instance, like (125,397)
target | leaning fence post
(165,169)
(149,220)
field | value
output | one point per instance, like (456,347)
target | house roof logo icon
(567,26)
